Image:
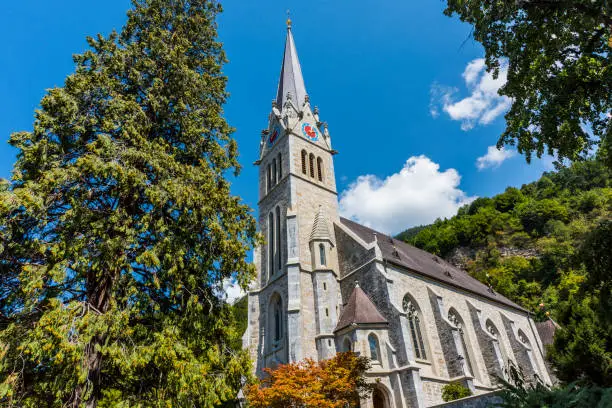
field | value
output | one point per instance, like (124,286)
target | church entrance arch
(380,398)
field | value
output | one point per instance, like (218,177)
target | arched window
(269,184)
(280,167)
(320,168)
(270,244)
(278,239)
(277,328)
(322,254)
(274,172)
(304,161)
(416,332)
(374,349)
(311,161)
(454,318)
(498,347)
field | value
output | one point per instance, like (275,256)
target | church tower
(294,303)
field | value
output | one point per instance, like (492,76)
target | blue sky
(394,82)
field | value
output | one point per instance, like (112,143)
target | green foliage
(118,228)
(455,390)
(548,243)
(518,394)
(557,56)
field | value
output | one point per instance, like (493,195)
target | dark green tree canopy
(559,71)
(118,228)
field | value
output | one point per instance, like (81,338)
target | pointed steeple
(291,80)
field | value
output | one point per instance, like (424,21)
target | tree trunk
(99,298)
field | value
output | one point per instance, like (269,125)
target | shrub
(455,390)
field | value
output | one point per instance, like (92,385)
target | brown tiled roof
(546,330)
(402,254)
(359,310)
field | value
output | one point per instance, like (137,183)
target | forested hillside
(547,246)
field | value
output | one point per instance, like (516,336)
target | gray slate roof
(359,310)
(291,79)
(546,330)
(404,255)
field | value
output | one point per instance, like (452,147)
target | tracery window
(374,347)
(320,168)
(454,318)
(304,154)
(497,345)
(416,331)
(311,162)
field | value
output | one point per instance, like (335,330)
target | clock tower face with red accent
(274,135)
(310,132)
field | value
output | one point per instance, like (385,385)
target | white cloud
(418,194)
(483,105)
(232,291)
(494,157)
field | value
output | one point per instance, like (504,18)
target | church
(327,284)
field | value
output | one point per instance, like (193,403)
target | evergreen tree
(118,228)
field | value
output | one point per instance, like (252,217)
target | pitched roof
(291,79)
(546,330)
(320,227)
(359,310)
(402,254)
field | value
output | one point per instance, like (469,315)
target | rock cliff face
(460,256)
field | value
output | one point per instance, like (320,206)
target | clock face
(274,135)
(310,132)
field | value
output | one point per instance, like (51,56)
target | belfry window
(322,254)
(280,167)
(269,178)
(320,168)
(270,244)
(414,321)
(311,162)
(304,161)
(274,172)
(374,348)
(454,318)
(278,239)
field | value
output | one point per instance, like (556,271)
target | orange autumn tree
(335,383)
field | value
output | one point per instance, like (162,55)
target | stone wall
(475,401)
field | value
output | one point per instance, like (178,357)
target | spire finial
(288,20)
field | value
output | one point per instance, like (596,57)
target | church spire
(291,80)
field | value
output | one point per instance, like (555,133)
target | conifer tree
(118,227)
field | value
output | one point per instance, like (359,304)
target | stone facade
(439,328)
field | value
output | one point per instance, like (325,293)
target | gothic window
(416,332)
(454,318)
(304,161)
(497,346)
(322,254)
(277,328)
(278,239)
(274,172)
(374,348)
(311,162)
(269,184)
(320,168)
(280,167)
(270,244)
